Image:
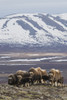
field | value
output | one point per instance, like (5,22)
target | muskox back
(20,72)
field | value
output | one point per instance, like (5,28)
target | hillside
(34,32)
(36,92)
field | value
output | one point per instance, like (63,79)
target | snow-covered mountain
(45,31)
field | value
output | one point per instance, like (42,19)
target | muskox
(26,78)
(36,76)
(20,75)
(44,75)
(19,78)
(55,77)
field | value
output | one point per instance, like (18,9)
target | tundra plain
(11,62)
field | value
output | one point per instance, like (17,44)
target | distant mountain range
(34,32)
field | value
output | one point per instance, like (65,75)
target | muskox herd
(36,75)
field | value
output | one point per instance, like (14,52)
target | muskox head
(50,75)
(12,79)
(31,74)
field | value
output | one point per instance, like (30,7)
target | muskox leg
(61,80)
(62,83)
(55,84)
(28,84)
(52,83)
(39,81)
(23,84)
(30,81)
(42,81)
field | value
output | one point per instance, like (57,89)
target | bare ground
(35,92)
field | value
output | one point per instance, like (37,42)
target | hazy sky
(32,6)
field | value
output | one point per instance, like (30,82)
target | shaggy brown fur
(20,77)
(36,74)
(54,76)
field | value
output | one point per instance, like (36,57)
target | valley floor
(11,62)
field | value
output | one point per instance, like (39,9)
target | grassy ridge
(35,92)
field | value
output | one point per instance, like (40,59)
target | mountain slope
(34,30)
